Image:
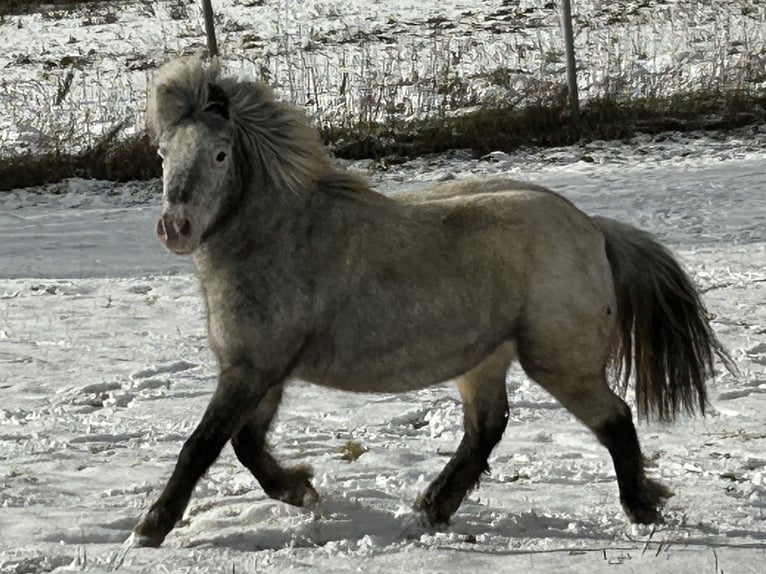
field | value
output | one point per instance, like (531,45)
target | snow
(69,76)
(105,370)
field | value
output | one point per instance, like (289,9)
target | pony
(306,272)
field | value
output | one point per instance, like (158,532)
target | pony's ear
(217,100)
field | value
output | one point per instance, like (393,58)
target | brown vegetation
(116,160)
(505,129)
(481,131)
(11,7)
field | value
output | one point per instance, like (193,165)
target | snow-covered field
(69,75)
(105,370)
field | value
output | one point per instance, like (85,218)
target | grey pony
(308,273)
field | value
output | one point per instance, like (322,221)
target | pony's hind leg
(590,399)
(485,415)
(640,496)
(290,485)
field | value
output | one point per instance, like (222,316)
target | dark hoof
(152,530)
(296,488)
(644,515)
(645,507)
(143,541)
(435,514)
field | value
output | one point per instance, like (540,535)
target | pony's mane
(277,140)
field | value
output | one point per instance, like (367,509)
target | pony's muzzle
(175,233)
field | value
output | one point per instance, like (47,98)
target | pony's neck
(259,210)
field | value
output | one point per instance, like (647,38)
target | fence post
(212,45)
(574,100)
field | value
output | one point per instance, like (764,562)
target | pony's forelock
(281,147)
(179,89)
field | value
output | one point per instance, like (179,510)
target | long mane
(282,149)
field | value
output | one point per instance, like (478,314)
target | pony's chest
(242,321)
(233,318)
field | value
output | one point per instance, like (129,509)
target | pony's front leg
(290,485)
(239,391)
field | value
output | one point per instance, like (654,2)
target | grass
(132,158)
(482,131)
(506,129)
(351,451)
(388,95)
(16,7)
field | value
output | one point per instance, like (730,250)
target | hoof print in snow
(139,289)
(175,367)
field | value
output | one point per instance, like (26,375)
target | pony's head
(225,142)
(189,114)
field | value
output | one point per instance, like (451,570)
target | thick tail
(665,337)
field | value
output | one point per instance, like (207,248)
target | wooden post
(212,45)
(574,99)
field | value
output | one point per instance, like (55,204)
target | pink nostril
(185,228)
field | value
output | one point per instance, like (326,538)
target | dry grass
(11,7)
(379,97)
(127,159)
(506,129)
(15,7)
(351,451)
(481,131)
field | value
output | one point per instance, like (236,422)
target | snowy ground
(104,371)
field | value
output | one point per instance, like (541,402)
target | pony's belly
(395,372)
(363,383)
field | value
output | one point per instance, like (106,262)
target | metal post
(207,11)
(574,100)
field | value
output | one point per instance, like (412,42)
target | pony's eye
(220,157)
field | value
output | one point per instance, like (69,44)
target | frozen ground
(104,371)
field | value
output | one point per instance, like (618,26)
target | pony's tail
(665,337)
